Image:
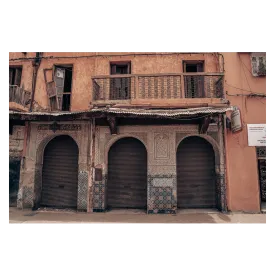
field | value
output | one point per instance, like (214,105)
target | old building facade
(99,131)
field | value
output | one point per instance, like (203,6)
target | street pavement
(27,216)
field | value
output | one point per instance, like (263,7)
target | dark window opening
(15,75)
(191,68)
(194,84)
(68,80)
(120,88)
(121,68)
(67,86)
(66,102)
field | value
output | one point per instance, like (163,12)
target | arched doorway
(127,175)
(196,180)
(60,173)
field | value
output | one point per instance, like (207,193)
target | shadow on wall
(14,174)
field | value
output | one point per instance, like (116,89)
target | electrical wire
(243,89)
(106,55)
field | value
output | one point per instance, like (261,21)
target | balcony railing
(19,95)
(115,88)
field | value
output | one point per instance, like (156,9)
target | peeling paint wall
(16,141)
(29,194)
(242,170)
(161,144)
(85,68)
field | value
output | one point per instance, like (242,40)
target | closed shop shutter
(60,173)
(196,186)
(127,175)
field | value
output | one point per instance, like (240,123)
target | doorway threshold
(126,211)
(198,211)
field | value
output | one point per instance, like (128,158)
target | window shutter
(129,68)
(258,62)
(254,64)
(199,67)
(18,73)
(50,88)
(262,65)
(113,69)
(10,76)
(59,79)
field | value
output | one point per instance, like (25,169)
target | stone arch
(139,180)
(214,145)
(43,143)
(219,167)
(115,139)
(39,164)
(99,191)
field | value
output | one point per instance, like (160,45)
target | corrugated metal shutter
(127,175)
(196,186)
(60,173)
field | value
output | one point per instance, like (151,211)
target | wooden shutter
(113,69)
(200,83)
(59,79)
(17,78)
(10,76)
(262,65)
(200,67)
(254,64)
(51,89)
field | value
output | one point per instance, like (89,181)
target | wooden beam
(203,127)
(112,121)
(159,74)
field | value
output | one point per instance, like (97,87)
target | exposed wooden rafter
(112,121)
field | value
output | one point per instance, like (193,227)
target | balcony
(157,88)
(19,95)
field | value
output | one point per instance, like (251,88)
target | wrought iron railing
(158,86)
(19,95)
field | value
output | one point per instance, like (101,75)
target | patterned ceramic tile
(82,190)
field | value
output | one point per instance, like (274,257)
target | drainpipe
(36,63)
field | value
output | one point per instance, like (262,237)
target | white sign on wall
(256,134)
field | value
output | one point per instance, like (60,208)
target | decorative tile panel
(82,192)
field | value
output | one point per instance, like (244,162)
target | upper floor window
(193,84)
(59,87)
(15,74)
(193,66)
(120,87)
(120,67)
(258,64)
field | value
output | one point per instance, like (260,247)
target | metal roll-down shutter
(60,173)
(127,175)
(196,186)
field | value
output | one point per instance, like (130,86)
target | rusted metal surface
(113,88)
(196,186)
(118,112)
(19,95)
(60,173)
(127,175)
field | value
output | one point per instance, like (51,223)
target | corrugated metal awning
(133,111)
